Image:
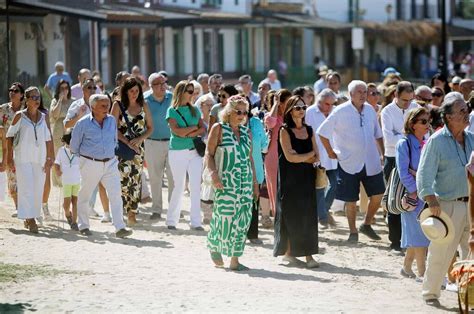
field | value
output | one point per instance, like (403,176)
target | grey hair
(154,76)
(197,85)
(325,93)
(354,84)
(202,77)
(448,104)
(205,98)
(422,88)
(30,89)
(97,97)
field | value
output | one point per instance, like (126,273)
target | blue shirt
(259,143)
(408,158)
(158,110)
(442,169)
(54,78)
(91,140)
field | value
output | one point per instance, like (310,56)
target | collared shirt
(354,135)
(74,110)
(275,85)
(314,118)
(77,93)
(393,120)
(54,79)
(319,85)
(442,169)
(91,140)
(254,98)
(158,109)
(408,153)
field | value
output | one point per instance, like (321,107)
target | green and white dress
(232,211)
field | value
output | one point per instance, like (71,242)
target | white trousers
(30,184)
(156,157)
(184,162)
(93,172)
(440,255)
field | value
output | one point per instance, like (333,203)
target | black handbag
(123,151)
(199,144)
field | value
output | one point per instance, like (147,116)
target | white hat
(437,229)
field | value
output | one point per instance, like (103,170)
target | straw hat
(437,229)
(323,70)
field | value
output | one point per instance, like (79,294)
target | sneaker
(433,302)
(353,238)
(47,215)
(155,216)
(106,218)
(368,231)
(419,279)
(85,232)
(171,228)
(452,287)
(14,215)
(122,233)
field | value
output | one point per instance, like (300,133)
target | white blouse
(31,146)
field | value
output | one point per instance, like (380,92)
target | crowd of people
(254,156)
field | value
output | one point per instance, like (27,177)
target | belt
(464,199)
(95,159)
(160,139)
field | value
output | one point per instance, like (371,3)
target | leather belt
(95,159)
(464,199)
(160,139)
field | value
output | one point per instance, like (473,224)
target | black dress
(296,215)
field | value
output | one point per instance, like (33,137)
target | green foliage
(16,272)
(468,9)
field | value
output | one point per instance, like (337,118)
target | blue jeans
(321,211)
(325,197)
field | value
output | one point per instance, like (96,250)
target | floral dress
(6,118)
(130,170)
(232,210)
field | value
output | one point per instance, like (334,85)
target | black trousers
(394,221)
(253,229)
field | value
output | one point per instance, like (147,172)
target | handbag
(207,189)
(123,151)
(321,178)
(199,144)
(463,271)
(395,190)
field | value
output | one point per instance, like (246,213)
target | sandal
(69,220)
(240,267)
(217,259)
(32,226)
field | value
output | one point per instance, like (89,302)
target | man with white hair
(203,79)
(441,182)
(94,139)
(245,82)
(76,89)
(272,79)
(55,77)
(423,96)
(315,116)
(157,145)
(355,132)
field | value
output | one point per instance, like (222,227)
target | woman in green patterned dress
(229,159)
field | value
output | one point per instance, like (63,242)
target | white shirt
(314,118)
(74,110)
(69,164)
(470,128)
(319,85)
(254,97)
(77,93)
(31,147)
(393,120)
(276,85)
(354,136)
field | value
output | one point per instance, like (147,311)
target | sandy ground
(162,271)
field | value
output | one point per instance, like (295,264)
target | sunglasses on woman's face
(14,90)
(298,108)
(221,96)
(374,94)
(241,112)
(190,91)
(35,98)
(423,121)
(91,87)
(437,94)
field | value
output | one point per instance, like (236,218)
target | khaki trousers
(440,255)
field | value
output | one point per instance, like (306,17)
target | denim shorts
(348,185)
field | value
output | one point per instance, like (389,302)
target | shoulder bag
(123,151)
(197,141)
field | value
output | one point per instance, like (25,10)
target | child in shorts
(66,166)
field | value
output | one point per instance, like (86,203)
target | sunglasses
(374,94)
(298,108)
(221,96)
(241,112)
(190,91)
(160,84)
(437,94)
(424,100)
(35,98)
(423,121)
(91,87)
(14,90)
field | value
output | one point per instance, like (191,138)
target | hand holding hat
(439,229)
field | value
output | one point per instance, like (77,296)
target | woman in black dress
(296,225)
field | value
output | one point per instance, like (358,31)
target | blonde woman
(185,123)
(235,183)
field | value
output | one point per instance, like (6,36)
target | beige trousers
(440,255)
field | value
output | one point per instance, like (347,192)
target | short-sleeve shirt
(177,142)
(74,110)
(215,110)
(54,78)
(69,164)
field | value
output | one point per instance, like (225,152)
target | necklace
(70,158)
